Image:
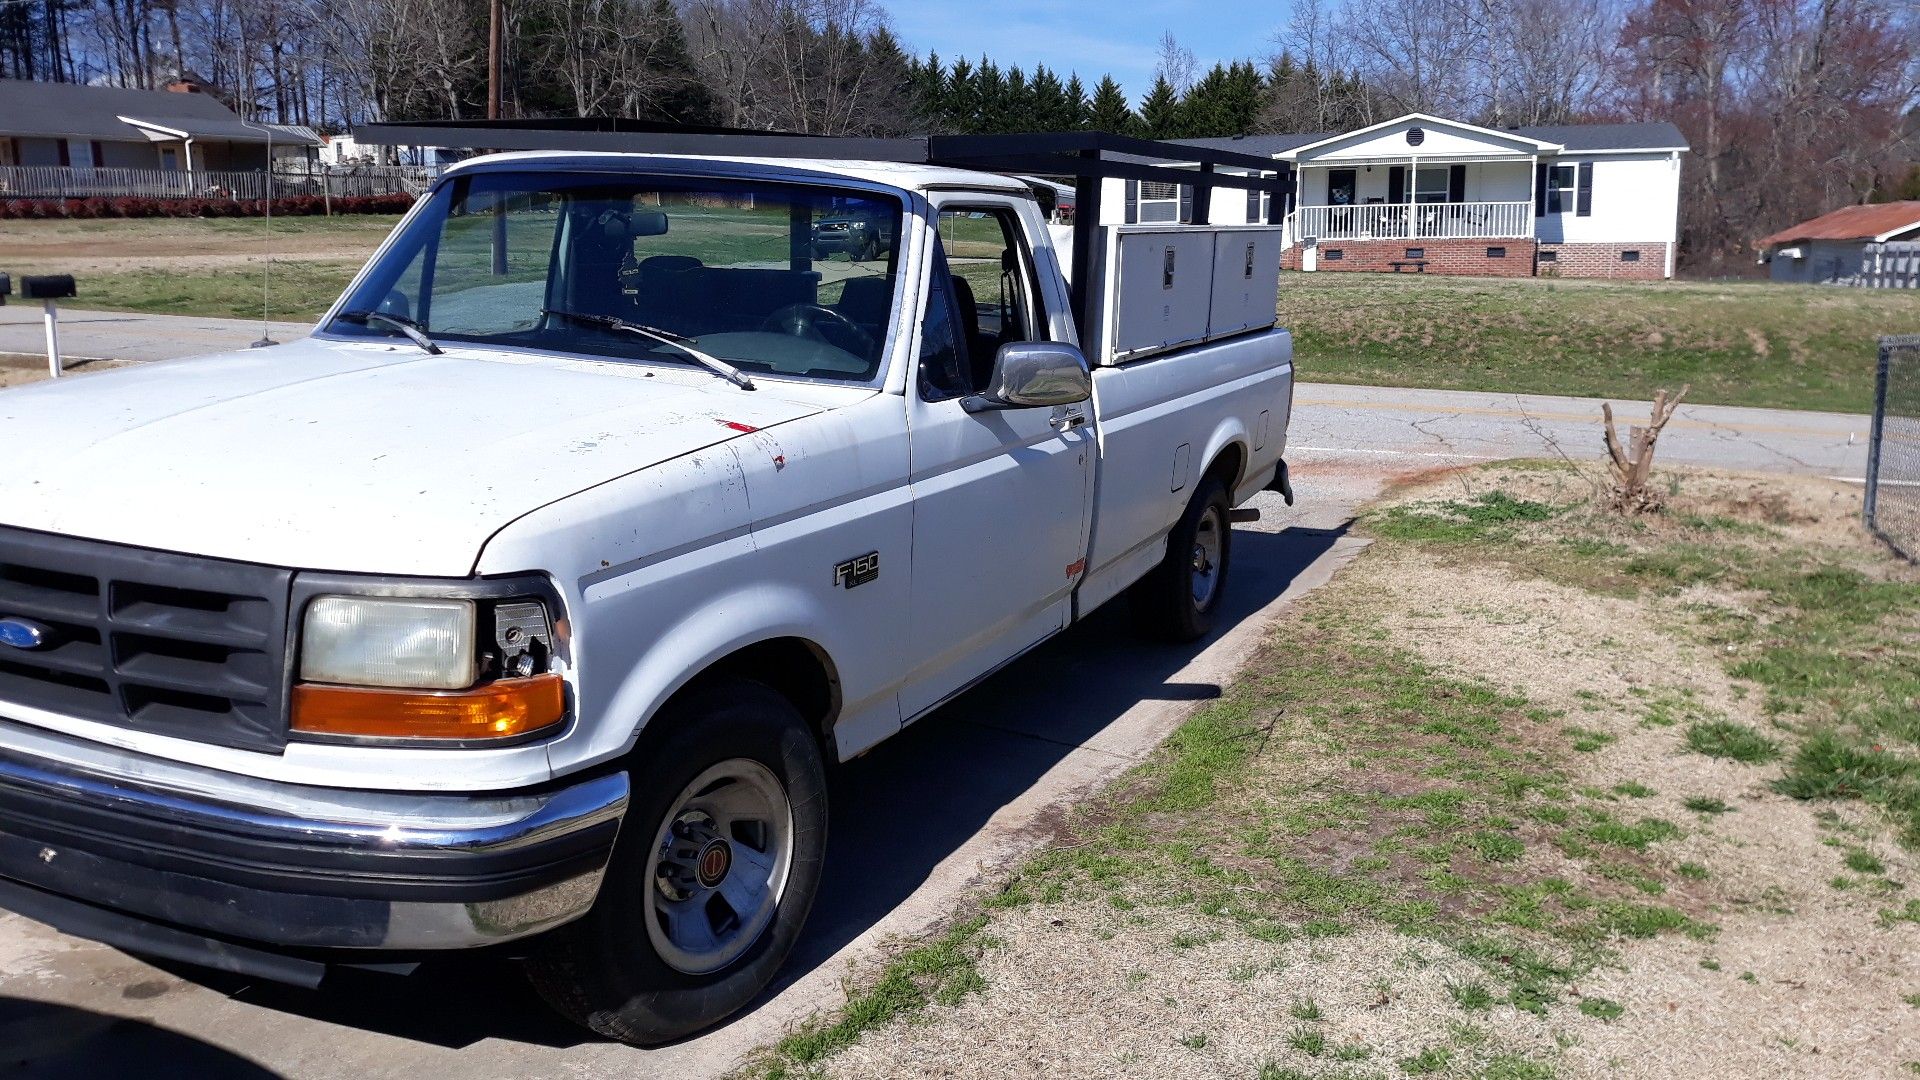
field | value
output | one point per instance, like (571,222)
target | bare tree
(798,65)
(1176,63)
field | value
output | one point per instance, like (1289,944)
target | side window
(993,283)
(944,369)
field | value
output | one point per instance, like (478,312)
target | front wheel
(1176,601)
(711,880)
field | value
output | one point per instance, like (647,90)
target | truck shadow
(897,813)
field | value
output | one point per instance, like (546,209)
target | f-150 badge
(858,570)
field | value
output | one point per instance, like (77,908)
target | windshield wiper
(666,337)
(398,322)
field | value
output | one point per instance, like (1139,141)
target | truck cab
(524,605)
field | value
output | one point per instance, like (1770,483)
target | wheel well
(1227,465)
(794,668)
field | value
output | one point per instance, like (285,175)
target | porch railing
(1418,221)
(63,182)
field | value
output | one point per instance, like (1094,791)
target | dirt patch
(92,247)
(21,370)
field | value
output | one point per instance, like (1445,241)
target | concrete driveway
(916,822)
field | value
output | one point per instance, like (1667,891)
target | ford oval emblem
(19,633)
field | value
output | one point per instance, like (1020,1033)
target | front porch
(1404,199)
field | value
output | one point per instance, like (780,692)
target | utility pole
(494,19)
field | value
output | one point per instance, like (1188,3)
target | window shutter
(1253,206)
(1186,204)
(1396,184)
(1456,183)
(1540,190)
(66,155)
(1133,202)
(1583,191)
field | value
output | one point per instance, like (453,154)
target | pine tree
(1160,113)
(1109,111)
(1051,110)
(961,104)
(1077,108)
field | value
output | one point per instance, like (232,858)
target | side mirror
(1034,374)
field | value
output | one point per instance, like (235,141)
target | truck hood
(352,457)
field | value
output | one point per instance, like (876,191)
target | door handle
(1068,421)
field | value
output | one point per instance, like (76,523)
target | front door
(1000,497)
(1343,187)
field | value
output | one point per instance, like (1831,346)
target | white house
(1875,245)
(1424,194)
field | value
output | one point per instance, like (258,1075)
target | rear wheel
(712,877)
(1176,601)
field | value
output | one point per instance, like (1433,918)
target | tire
(624,970)
(1176,601)
(870,249)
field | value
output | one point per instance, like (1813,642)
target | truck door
(1000,498)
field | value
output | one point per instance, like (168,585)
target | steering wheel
(802,321)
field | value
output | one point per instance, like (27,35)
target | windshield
(770,278)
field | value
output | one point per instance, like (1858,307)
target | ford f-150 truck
(524,603)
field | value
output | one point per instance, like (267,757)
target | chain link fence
(1893,461)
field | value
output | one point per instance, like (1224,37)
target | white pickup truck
(523,604)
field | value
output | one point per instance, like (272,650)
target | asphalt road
(956,796)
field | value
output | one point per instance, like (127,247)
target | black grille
(189,647)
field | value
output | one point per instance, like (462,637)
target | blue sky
(1092,37)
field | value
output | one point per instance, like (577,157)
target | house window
(1496,253)
(1416,253)
(1560,189)
(1549,256)
(1159,201)
(1630,255)
(1335,254)
(1430,184)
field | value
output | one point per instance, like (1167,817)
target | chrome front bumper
(91,836)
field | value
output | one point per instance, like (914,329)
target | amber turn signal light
(504,709)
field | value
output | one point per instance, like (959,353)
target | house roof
(72,110)
(1874,221)
(1575,138)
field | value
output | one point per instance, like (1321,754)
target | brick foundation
(1468,257)
(1602,260)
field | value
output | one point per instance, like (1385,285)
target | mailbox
(47,287)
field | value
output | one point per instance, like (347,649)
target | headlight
(418,670)
(382,641)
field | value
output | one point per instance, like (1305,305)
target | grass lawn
(297,290)
(1529,791)
(1738,343)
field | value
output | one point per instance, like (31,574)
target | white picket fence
(1889,266)
(64,182)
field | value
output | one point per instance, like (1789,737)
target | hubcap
(1207,542)
(718,866)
